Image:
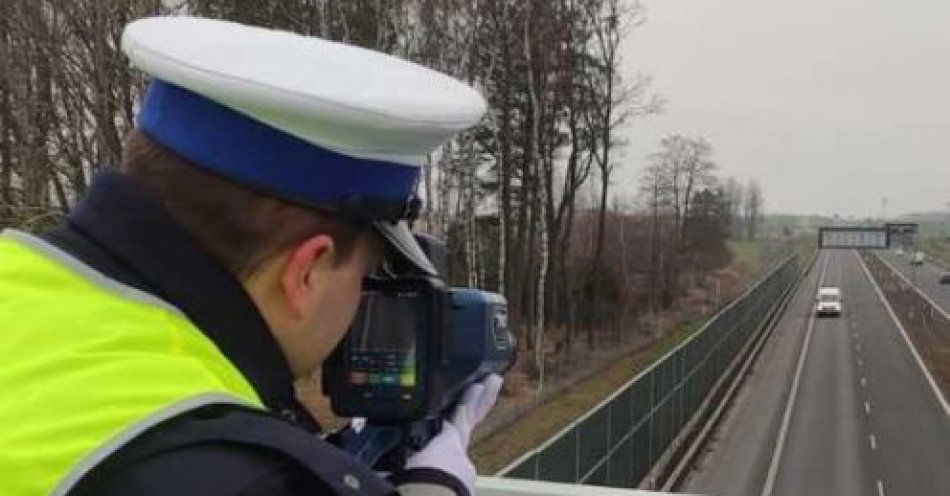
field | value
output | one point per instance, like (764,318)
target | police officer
(148,346)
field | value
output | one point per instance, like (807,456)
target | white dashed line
(864,382)
(867,408)
(880,487)
(860,362)
(857,348)
(873,442)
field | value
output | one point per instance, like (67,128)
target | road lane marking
(867,408)
(864,382)
(860,362)
(880,487)
(857,347)
(873,442)
(920,363)
(916,288)
(787,416)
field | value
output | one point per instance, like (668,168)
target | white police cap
(313,121)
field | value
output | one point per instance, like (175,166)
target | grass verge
(504,446)
(747,256)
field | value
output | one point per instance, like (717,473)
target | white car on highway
(828,301)
(918,258)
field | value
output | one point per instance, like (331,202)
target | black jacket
(118,230)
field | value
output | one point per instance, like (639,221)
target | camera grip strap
(372,442)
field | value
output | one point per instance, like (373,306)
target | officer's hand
(448,451)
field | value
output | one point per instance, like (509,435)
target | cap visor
(400,237)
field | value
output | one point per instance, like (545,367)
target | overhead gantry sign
(853,237)
(902,234)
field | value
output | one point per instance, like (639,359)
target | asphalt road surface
(926,277)
(835,406)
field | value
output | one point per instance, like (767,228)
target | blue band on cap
(257,155)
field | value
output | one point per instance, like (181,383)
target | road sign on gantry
(853,237)
(903,234)
(902,227)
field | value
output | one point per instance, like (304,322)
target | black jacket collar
(120,231)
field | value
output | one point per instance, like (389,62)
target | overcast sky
(830,104)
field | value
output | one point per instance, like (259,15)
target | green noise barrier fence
(619,441)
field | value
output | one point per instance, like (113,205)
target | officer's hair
(240,227)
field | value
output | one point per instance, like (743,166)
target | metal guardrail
(617,442)
(686,447)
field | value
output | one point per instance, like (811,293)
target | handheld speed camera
(413,348)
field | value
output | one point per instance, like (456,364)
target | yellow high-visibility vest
(87,364)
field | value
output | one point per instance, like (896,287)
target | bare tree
(66,101)
(753,209)
(614,103)
(687,163)
(504,194)
(655,187)
(681,166)
(734,196)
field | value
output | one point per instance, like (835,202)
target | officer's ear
(304,275)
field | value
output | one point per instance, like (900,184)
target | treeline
(525,199)
(66,100)
(692,213)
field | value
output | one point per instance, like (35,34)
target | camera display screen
(383,341)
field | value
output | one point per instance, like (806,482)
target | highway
(834,406)
(926,277)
